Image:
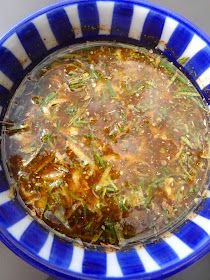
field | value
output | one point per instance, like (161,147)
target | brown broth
(107,144)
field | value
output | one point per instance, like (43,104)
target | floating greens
(107,144)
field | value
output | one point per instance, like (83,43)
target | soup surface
(107,143)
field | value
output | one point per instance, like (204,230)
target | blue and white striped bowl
(70,22)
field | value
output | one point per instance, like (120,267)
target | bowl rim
(46,266)
(159,8)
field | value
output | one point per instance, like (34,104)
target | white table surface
(13,268)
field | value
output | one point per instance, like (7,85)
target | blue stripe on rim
(194,66)
(150,35)
(53,268)
(6,60)
(162,254)
(4,101)
(11,212)
(3,182)
(36,235)
(126,261)
(4,93)
(174,48)
(122,16)
(206,93)
(94,263)
(36,49)
(61,253)
(198,238)
(61,27)
(88,14)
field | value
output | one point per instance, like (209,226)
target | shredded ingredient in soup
(107,144)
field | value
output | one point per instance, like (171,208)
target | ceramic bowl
(134,22)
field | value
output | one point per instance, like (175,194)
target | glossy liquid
(107,144)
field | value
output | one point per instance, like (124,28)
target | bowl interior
(61,25)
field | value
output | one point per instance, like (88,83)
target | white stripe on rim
(137,23)
(179,247)
(202,222)
(45,251)
(148,262)
(1,108)
(169,26)
(4,197)
(0,112)
(73,15)
(77,259)
(105,11)
(45,32)
(5,81)
(13,44)
(113,268)
(208,193)
(204,79)
(20,227)
(195,45)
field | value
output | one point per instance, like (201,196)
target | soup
(107,143)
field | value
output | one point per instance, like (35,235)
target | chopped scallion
(48,99)
(110,89)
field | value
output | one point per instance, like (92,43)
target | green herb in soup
(107,144)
